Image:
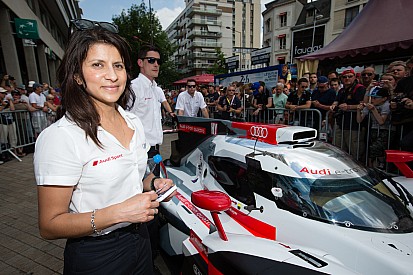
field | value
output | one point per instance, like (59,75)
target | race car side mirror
(214,201)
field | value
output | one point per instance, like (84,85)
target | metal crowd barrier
(16,131)
(360,139)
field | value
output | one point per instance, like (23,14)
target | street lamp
(240,45)
(316,17)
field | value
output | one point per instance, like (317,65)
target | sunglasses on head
(85,24)
(191,86)
(152,60)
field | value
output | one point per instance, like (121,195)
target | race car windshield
(362,202)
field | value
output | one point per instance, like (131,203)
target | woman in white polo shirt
(89,165)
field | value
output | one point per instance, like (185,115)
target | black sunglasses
(151,60)
(367,74)
(347,76)
(191,86)
(85,24)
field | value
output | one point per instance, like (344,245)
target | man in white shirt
(149,98)
(190,101)
(37,100)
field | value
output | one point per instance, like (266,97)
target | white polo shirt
(101,177)
(190,104)
(147,107)
(39,100)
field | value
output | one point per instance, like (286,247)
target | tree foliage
(139,26)
(219,66)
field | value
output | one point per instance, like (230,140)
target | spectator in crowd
(388,81)
(56,96)
(398,68)
(312,83)
(332,74)
(51,109)
(89,166)
(262,100)
(293,86)
(46,89)
(30,87)
(37,100)
(8,132)
(285,74)
(279,99)
(348,99)
(27,106)
(321,100)
(230,105)
(23,123)
(191,101)
(379,109)
(334,84)
(204,91)
(212,97)
(298,100)
(402,110)
(367,76)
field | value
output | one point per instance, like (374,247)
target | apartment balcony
(204,34)
(180,33)
(198,10)
(202,65)
(205,22)
(202,55)
(181,23)
(206,44)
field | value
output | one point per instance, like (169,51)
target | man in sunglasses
(230,105)
(147,106)
(191,101)
(367,76)
(149,98)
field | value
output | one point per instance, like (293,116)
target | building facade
(38,57)
(205,26)
(293,28)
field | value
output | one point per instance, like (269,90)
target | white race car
(271,199)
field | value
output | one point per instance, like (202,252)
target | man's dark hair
(333,72)
(301,80)
(143,51)
(190,80)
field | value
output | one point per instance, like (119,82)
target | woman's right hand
(139,208)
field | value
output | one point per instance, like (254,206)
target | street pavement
(22,250)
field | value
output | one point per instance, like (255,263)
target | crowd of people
(352,107)
(18,128)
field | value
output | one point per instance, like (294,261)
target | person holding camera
(230,105)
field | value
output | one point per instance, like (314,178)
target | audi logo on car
(258,131)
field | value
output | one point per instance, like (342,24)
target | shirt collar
(147,80)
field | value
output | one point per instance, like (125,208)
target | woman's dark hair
(76,102)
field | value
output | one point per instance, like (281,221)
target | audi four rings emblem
(257,131)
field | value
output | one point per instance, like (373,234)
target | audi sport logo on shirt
(259,131)
(96,162)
